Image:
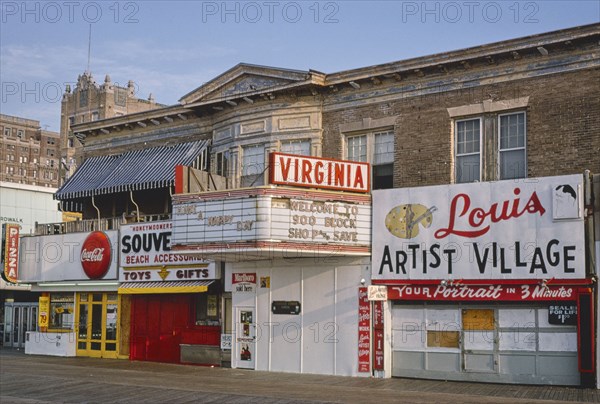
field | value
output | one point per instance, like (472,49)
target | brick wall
(563,126)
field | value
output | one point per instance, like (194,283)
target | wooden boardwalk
(43,379)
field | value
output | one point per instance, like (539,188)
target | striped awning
(141,288)
(134,170)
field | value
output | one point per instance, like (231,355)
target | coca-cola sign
(96,255)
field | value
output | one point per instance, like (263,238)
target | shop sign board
(11,252)
(226,341)
(69,257)
(565,314)
(516,293)
(244,282)
(44,312)
(515,229)
(319,172)
(145,255)
(96,255)
(215,221)
(364,330)
(377,292)
(378,335)
(285,307)
(290,220)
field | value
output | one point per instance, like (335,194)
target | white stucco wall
(51,343)
(323,338)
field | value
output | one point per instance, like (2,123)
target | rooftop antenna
(89,48)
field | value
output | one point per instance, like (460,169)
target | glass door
(8,324)
(245,338)
(97,325)
(18,319)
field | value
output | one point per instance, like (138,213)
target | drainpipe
(97,210)
(588,215)
(137,208)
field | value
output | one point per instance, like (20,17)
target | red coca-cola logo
(95,255)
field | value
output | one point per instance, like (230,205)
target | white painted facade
(323,337)
(27,204)
(51,343)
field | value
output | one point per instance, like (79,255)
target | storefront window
(111,321)
(61,309)
(207,309)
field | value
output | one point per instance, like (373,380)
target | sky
(169,48)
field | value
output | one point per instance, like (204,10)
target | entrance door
(97,325)
(245,337)
(479,340)
(157,323)
(18,319)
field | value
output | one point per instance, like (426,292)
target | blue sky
(170,48)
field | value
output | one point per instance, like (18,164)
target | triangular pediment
(245,80)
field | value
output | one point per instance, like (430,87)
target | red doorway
(157,323)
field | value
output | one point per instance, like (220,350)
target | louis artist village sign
(504,230)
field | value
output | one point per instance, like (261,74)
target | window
(202,162)
(71,141)
(35,160)
(50,152)
(357,148)
(50,141)
(501,159)
(20,134)
(83,98)
(34,174)
(468,150)
(253,166)
(207,309)
(376,148)
(383,160)
(71,121)
(61,311)
(512,157)
(7,132)
(22,159)
(95,116)
(222,162)
(299,147)
(51,163)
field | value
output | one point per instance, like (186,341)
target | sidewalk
(43,379)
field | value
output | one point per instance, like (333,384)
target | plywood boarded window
(443,339)
(478,319)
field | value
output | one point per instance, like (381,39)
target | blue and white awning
(134,170)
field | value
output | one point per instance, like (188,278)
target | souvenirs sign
(145,255)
